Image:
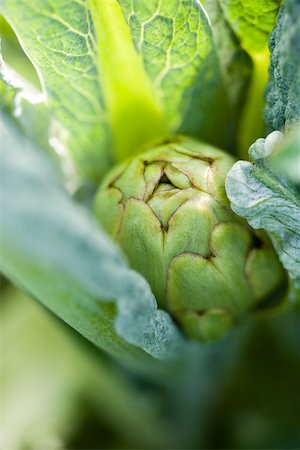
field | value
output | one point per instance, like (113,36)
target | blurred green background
(59,392)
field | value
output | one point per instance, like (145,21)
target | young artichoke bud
(168,210)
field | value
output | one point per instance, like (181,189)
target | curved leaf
(268,200)
(59,39)
(112,98)
(51,247)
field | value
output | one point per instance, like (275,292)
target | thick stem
(135,114)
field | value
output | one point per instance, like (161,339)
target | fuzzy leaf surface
(52,248)
(263,193)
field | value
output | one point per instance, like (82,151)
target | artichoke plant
(168,210)
(117,108)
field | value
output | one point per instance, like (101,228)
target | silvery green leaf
(52,248)
(268,199)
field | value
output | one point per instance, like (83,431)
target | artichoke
(168,210)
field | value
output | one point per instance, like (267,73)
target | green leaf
(236,64)
(52,248)
(113,85)
(269,200)
(238,71)
(175,42)
(94,80)
(252,20)
(283,90)
(59,39)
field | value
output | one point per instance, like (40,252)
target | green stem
(135,114)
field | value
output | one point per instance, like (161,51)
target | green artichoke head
(168,210)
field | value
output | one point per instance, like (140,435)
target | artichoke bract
(168,210)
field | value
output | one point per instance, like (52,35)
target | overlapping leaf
(59,39)
(90,73)
(175,41)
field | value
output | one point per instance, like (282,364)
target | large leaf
(263,193)
(59,39)
(76,68)
(51,247)
(111,82)
(175,41)
(283,90)
(252,20)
